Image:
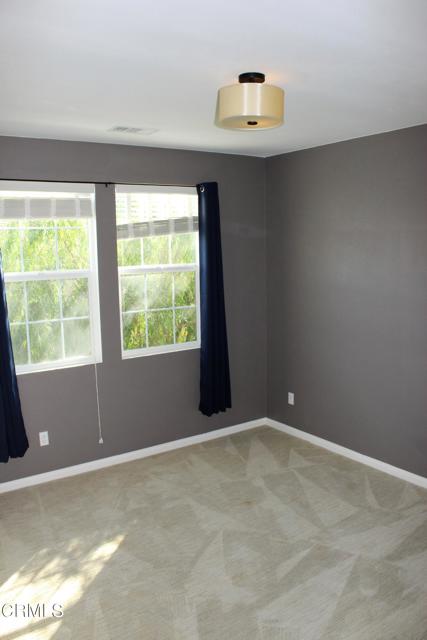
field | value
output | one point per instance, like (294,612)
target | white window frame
(194,267)
(94,311)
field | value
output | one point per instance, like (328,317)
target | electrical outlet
(291,398)
(44,438)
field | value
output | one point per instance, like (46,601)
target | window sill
(54,366)
(156,351)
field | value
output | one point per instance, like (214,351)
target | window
(158,261)
(48,243)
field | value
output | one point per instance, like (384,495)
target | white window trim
(163,268)
(55,365)
(155,188)
(94,311)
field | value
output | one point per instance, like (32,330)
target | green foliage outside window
(180,249)
(129,252)
(38,247)
(160,328)
(134,330)
(186,325)
(158,308)
(159,290)
(15,297)
(49,318)
(183,248)
(185,288)
(10,248)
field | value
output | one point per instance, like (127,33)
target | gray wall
(347,294)
(347,301)
(148,400)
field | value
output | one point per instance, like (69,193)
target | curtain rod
(104,182)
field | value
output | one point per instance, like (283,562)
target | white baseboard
(413,478)
(101,463)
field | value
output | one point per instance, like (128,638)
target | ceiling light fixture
(250,105)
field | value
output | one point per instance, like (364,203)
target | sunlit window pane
(185,288)
(11,249)
(157,229)
(46,239)
(75,297)
(133,293)
(39,250)
(45,341)
(160,328)
(15,301)
(156,250)
(159,290)
(43,300)
(19,341)
(77,338)
(134,331)
(73,249)
(186,325)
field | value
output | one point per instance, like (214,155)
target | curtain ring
(202,188)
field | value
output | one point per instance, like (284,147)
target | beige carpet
(258,536)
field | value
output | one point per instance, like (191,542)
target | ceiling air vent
(139,131)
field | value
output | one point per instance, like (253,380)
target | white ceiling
(72,69)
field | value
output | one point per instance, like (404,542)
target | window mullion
(31,276)
(27,323)
(146,310)
(21,248)
(156,268)
(173,309)
(21,260)
(173,289)
(61,318)
(92,280)
(59,284)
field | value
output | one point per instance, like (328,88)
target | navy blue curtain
(215,391)
(13,439)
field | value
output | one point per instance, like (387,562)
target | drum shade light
(250,105)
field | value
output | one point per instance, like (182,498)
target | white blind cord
(101,439)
